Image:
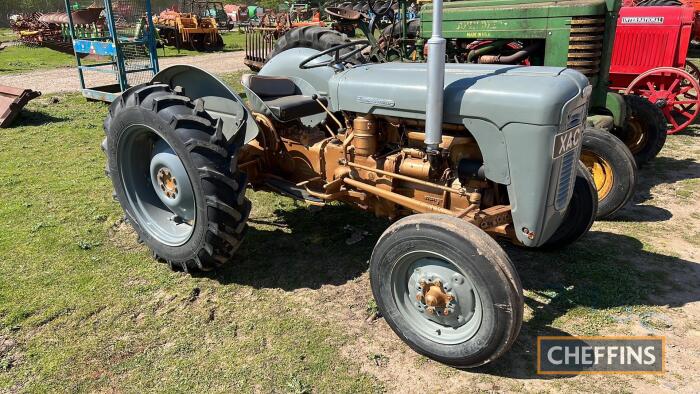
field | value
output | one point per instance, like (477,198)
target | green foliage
(271,4)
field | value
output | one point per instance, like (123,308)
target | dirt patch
(123,236)
(66,79)
(10,356)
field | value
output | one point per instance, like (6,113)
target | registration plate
(567,141)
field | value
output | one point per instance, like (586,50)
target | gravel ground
(66,79)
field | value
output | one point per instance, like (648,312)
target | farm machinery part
(492,161)
(51,30)
(261,38)
(12,100)
(347,20)
(390,18)
(608,159)
(694,4)
(188,31)
(208,9)
(663,75)
(126,47)
(237,15)
(305,14)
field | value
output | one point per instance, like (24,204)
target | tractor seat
(282,97)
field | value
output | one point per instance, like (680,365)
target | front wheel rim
(637,138)
(602,173)
(423,278)
(158,190)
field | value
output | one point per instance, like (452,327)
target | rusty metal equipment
(52,30)
(260,38)
(208,9)
(12,100)
(189,30)
(126,46)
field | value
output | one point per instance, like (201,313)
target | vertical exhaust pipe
(436,82)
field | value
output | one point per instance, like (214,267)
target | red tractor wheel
(674,91)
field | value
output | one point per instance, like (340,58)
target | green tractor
(623,131)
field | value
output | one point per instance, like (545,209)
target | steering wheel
(338,57)
(382,11)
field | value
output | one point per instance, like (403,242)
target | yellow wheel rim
(602,173)
(637,137)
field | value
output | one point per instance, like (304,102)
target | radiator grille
(566,175)
(585,45)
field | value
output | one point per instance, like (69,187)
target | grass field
(20,58)
(83,307)
(83,310)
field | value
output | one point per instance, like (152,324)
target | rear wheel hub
(167,183)
(157,187)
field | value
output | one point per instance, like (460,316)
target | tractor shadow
(602,279)
(305,248)
(660,171)
(28,117)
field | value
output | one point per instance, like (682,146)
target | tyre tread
(214,160)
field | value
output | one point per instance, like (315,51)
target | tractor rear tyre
(213,43)
(447,289)
(175,176)
(612,166)
(581,211)
(644,131)
(314,37)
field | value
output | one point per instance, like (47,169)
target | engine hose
(510,59)
(476,53)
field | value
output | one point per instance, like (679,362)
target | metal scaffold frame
(132,50)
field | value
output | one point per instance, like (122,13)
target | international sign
(642,20)
(600,355)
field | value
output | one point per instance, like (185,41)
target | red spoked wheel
(674,91)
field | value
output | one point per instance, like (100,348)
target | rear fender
(220,101)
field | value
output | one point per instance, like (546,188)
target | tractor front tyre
(447,289)
(175,176)
(644,131)
(580,214)
(613,168)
